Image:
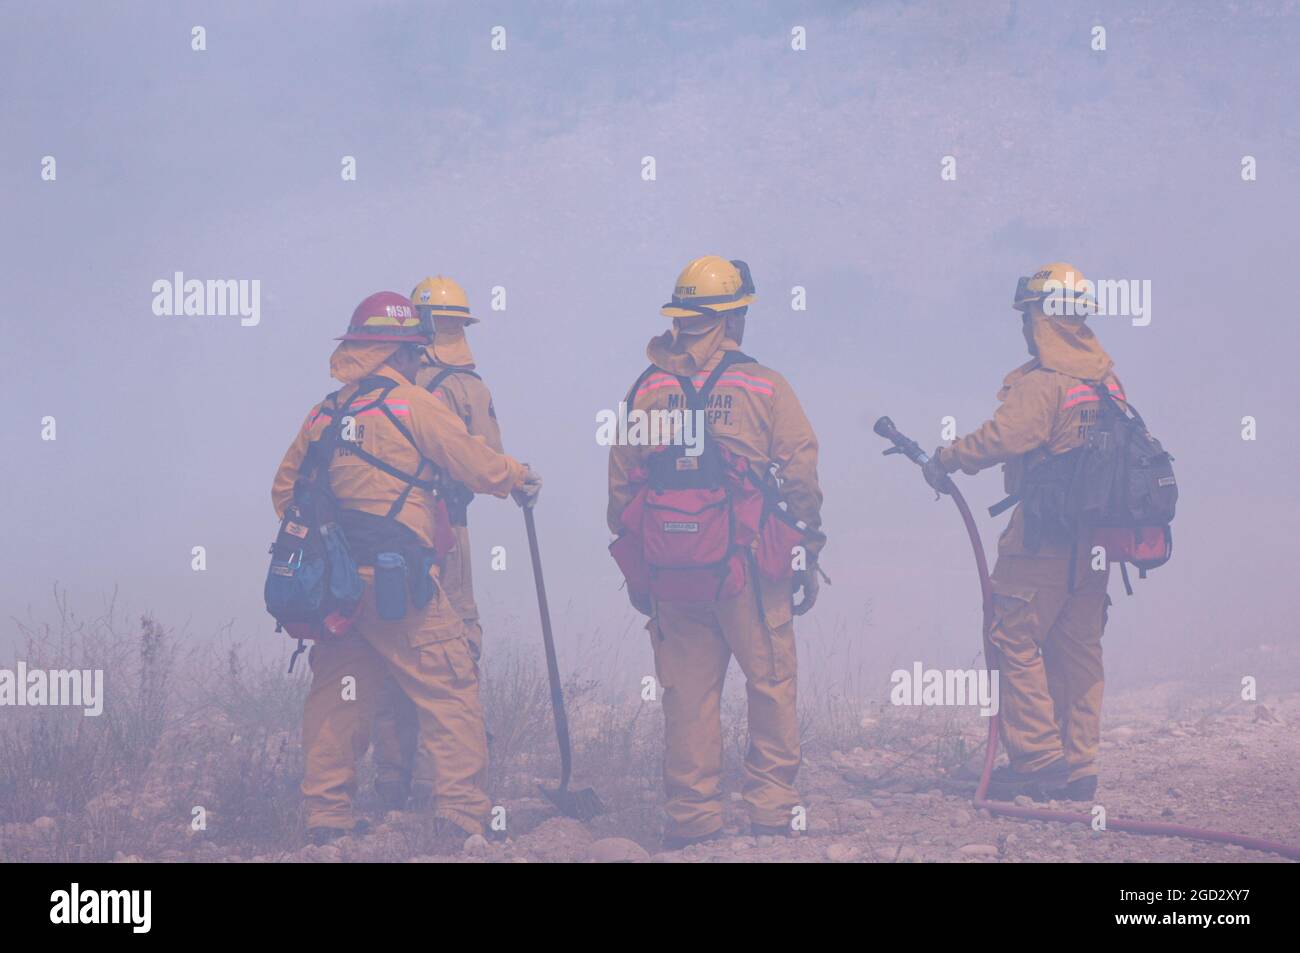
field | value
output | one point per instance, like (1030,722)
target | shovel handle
(552,664)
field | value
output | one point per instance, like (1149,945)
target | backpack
(688,533)
(313,589)
(1119,485)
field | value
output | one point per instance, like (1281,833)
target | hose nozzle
(884,427)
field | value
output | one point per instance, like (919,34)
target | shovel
(580,803)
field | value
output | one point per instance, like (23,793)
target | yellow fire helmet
(442,296)
(1061,280)
(710,285)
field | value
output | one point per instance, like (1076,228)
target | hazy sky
(522,169)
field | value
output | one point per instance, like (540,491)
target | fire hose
(884,427)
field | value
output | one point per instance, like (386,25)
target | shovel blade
(579,803)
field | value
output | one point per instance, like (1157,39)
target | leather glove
(935,474)
(809,582)
(526,493)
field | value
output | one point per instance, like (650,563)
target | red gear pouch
(628,553)
(677,545)
(747,505)
(683,529)
(702,584)
(687,538)
(776,542)
(1144,546)
(334,626)
(695,582)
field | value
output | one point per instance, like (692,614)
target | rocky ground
(1233,769)
(1237,770)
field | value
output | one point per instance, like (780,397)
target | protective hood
(687,348)
(451,348)
(1069,347)
(353,360)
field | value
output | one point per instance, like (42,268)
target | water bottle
(390,586)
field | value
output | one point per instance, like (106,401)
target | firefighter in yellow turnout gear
(753,413)
(1046,630)
(448,372)
(428,653)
